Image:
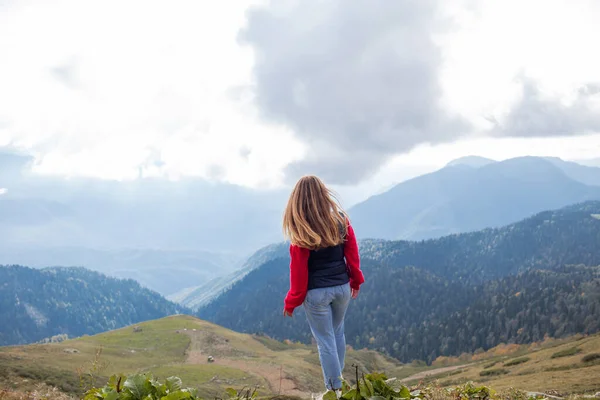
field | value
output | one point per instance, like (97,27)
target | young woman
(324,271)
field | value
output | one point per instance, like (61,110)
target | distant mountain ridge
(471,161)
(198,296)
(164,271)
(167,234)
(470,194)
(173,236)
(463,198)
(418,294)
(40,303)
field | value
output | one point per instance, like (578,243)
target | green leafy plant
(141,387)
(372,386)
(375,387)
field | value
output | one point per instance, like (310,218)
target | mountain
(593,162)
(167,234)
(460,198)
(164,271)
(146,213)
(198,296)
(471,161)
(41,303)
(503,285)
(590,175)
(175,236)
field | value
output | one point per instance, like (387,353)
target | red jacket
(299,270)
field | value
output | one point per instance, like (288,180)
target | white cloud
(114,89)
(3,191)
(95,88)
(551,42)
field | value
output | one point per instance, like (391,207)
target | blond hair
(313,218)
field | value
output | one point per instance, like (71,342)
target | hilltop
(180,345)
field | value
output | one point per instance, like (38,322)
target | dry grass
(568,374)
(41,392)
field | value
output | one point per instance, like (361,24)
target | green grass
(275,345)
(516,361)
(567,352)
(198,374)
(122,351)
(490,365)
(210,379)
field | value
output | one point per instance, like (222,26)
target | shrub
(138,387)
(567,352)
(590,357)
(493,372)
(516,361)
(371,386)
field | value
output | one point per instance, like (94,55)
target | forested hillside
(451,295)
(37,304)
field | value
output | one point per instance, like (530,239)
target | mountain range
(450,295)
(472,194)
(422,299)
(186,237)
(37,304)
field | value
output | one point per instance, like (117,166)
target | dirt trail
(274,375)
(425,374)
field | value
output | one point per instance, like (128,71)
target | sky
(365,93)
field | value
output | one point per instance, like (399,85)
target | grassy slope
(537,370)
(241,360)
(247,361)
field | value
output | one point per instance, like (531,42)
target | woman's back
(327,267)
(324,270)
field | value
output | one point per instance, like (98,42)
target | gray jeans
(325,310)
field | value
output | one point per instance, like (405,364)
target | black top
(327,267)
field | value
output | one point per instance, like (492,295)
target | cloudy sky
(364,93)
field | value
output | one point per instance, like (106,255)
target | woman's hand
(287,313)
(354,293)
